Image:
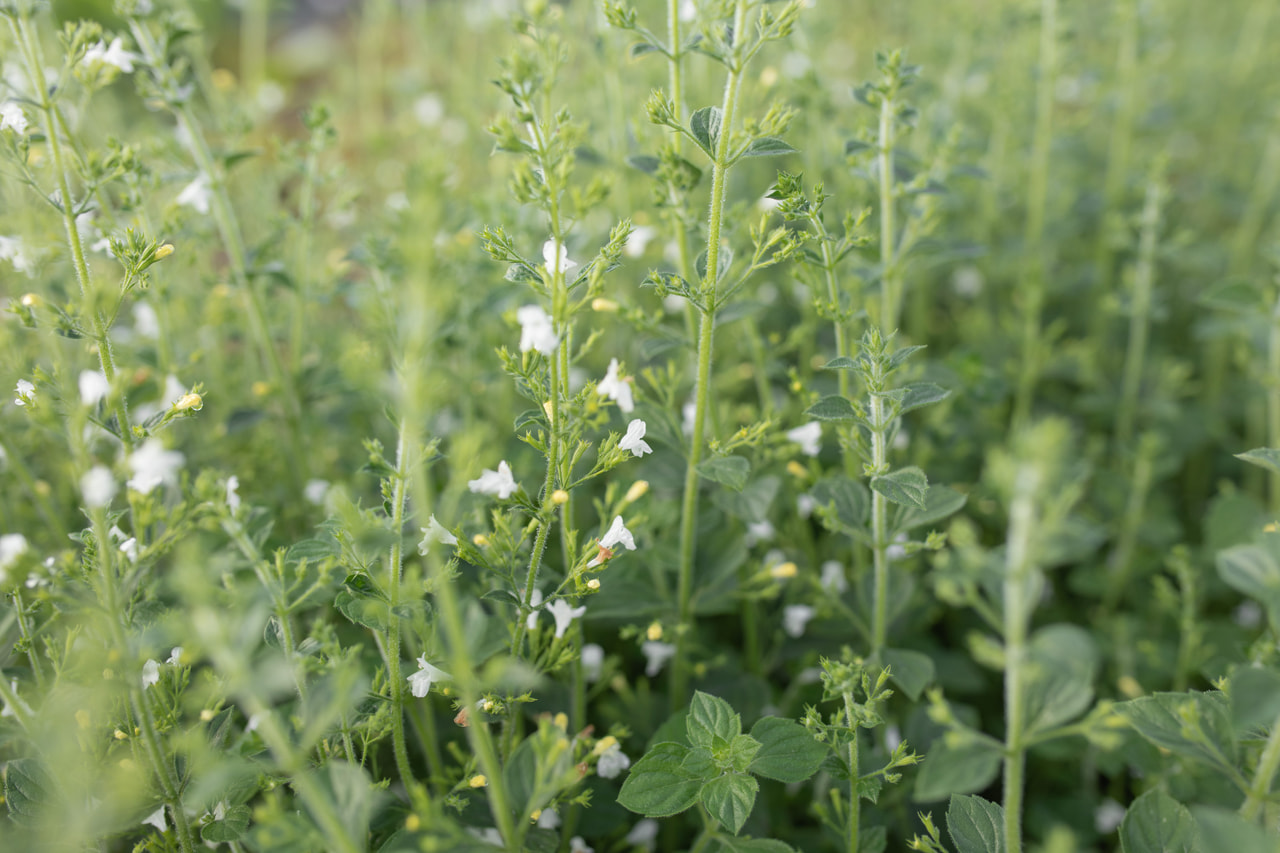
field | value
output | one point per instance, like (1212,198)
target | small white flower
(1108,816)
(688,412)
(420,682)
(612,762)
(536,331)
(578,845)
(806,504)
(428,110)
(634,439)
(638,240)
(115,54)
(397,202)
(556,257)
(93,387)
(197,194)
(759,531)
(967,282)
(643,834)
(145,322)
(616,389)
(98,486)
(129,548)
(767,204)
(251,724)
(618,534)
(688,10)
(435,532)
(548,819)
(175,656)
(898,549)
(233,496)
(592,661)
(833,579)
(12,546)
(795,617)
(8,709)
(156,819)
(12,118)
(535,602)
(499,482)
(153,465)
(809,437)
(315,490)
(1247,615)
(564,615)
(657,654)
(892,737)
(150,674)
(12,250)
(26,393)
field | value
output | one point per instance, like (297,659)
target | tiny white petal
(564,615)
(634,439)
(643,834)
(98,486)
(315,490)
(833,579)
(12,118)
(556,257)
(592,661)
(153,465)
(616,389)
(156,819)
(12,546)
(150,674)
(93,386)
(657,653)
(536,330)
(500,483)
(233,496)
(612,762)
(435,532)
(175,656)
(549,819)
(795,617)
(578,845)
(809,437)
(420,682)
(197,194)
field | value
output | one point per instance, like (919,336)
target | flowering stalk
(1140,312)
(394,564)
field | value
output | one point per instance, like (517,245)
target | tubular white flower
(233,496)
(26,392)
(617,534)
(592,661)
(556,257)
(114,54)
(612,762)
(809,437)
(616,389)
(93,387)
(634,439)
(499,483)
(657,653)
(12,546)
(435,532)
(12,118)
(536,331)
(638,240)
(564,615)
(833,579)
(150,674)
(98,487)
(153,465)
(420,682)
(197,194)
(795,617)
(156,819)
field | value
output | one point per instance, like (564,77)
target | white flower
(233,497)
(251,724)
(153,465)
(759,531)
(564,615)
(634,439)
(397,202)
(638,240)
(435,532)
(98,487)
(688,412)
(499,482)
(129,548)
(612,762)
(93,386)
(548,819)
(578,845)
(967,282)
(688,10)
(114,55)
(833,579)
(643,834)
(197,194)
(795,617)
(618,390)
(592,661)
(156,819)
(1247,615)
(536,332)
(535,602)
(1108,816)
(420,682)
(556,257)
(892,737)
(150,674)
(12,546)
(315,490)
(145,321)
(657,653)
(12,250)
(428,110)
(618,534)
(809,437)
(26,392)
(898,549)
(12,118)
(806,504)
(175,656)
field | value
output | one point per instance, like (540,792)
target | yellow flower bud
(127,764)
(546,407)
(189,403)
(164,251)
(795,469)
(638,490)
(782,571)
(593,584)
(768,76)
(537,813)
(602,304)
(478,781)
(260,388)
(1270,528)
(223,79)
(487,705)
(412,822)
(119,735)
(655,631)
(206,715)
(480,539)
(604,745)
(31,300)
(559,497)
(1129,686)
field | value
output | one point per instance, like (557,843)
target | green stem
(254,25)
(1120,561)
(855,802)
(1268,764)
(1017,616)
(1140,313)
(28,639)
(879,519)
(1273,398)
(888,284)
(1034,267)
(702,398)
(394,560)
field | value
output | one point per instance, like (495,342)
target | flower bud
(478,781)
(637,491)
(593,584)
(782,571)
(655,631)
(559,497)
(31,300)
(189,403)
(164,251)
(604,305)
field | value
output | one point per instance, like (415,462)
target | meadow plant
(515,437)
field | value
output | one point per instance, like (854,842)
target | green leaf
(735,844)
(906,486)
(753,502)
(1225,830)
(230,828)
(1194,725)
(28,790)
(939,503)
(921,394)
(842,362)
(832,408)
(1255,697)
(640,48)
(873,839)
(788,751)
(729,471)
(1255,571)
(372,613)
(1263,457)
(1157,823)
(658,785)
(646,163)
(896,360)
(742,751)
(700,763)
(956,770)
(850,500)
(729,799)
(1062,664)
(910,670)
(711,717)
(767,146)
(976,825)
(705,127)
